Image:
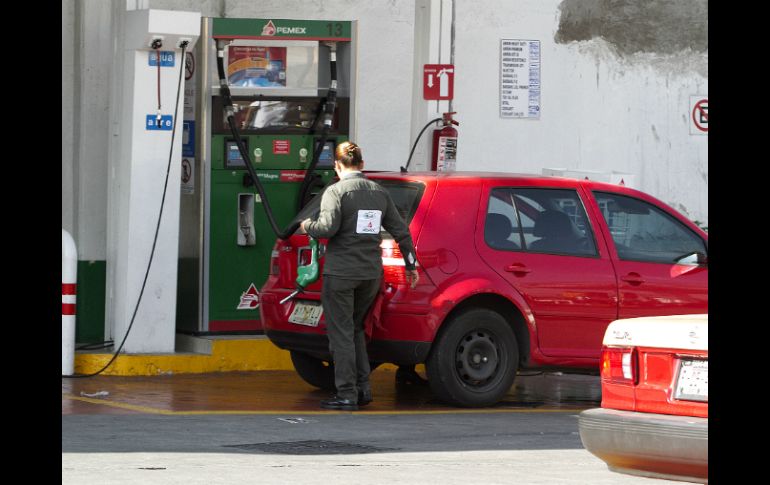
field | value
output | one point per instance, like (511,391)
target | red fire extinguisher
(445,145)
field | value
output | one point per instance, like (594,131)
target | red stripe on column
(68,288)
(67,308)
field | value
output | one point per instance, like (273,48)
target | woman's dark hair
(348,154)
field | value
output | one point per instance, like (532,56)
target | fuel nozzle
(307,274)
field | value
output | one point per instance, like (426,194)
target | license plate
(306,314)
(692,383)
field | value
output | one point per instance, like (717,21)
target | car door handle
(633,278)
(518,268)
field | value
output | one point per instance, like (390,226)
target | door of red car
(660,261)
(542,243)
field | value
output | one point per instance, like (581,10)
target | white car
(653,419)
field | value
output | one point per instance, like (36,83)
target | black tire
(474,360)
(314,371)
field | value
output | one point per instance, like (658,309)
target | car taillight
(394,271)
(619,365)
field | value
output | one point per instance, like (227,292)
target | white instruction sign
(519,78)
(368,222)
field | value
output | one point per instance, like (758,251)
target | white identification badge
(368,222)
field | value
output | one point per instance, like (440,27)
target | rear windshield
(406,196)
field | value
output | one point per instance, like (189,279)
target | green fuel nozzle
(307,274)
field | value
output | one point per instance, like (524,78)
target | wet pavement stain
(283,392)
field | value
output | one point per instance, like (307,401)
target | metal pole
(69,274)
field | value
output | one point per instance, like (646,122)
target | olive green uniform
(352,211)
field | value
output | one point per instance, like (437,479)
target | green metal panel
(89,322)
(339,30)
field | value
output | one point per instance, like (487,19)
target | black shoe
(338,403)
(406,375)
(364,398)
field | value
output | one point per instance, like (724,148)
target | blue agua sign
(166,58)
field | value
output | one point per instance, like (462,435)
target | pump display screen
(233,155)
(326,159)
(275,114)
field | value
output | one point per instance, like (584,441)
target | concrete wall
(615,92)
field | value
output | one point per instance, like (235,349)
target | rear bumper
(402,352)
(647,444)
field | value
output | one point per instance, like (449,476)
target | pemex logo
(249,299)
(269,28)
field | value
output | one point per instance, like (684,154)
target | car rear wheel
(316,372)
(474,360)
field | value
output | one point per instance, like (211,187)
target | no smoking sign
(699,115)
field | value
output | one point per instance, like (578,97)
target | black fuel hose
(330,105)
(227,101)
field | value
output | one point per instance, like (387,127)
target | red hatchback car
(516,271)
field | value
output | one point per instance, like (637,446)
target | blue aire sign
(165,124)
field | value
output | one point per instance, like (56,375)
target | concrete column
(432,45)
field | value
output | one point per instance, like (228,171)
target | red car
(654,415)
(516,272)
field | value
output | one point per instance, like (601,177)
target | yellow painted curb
(226,356)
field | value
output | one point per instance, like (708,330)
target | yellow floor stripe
(114,404)
(149,410)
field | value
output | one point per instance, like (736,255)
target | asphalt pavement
(213,429)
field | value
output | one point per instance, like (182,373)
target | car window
(501,227)
(644,232)
(542,220)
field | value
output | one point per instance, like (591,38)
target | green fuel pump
(275,98)
(307,274)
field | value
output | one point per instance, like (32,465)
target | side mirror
(694,258)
